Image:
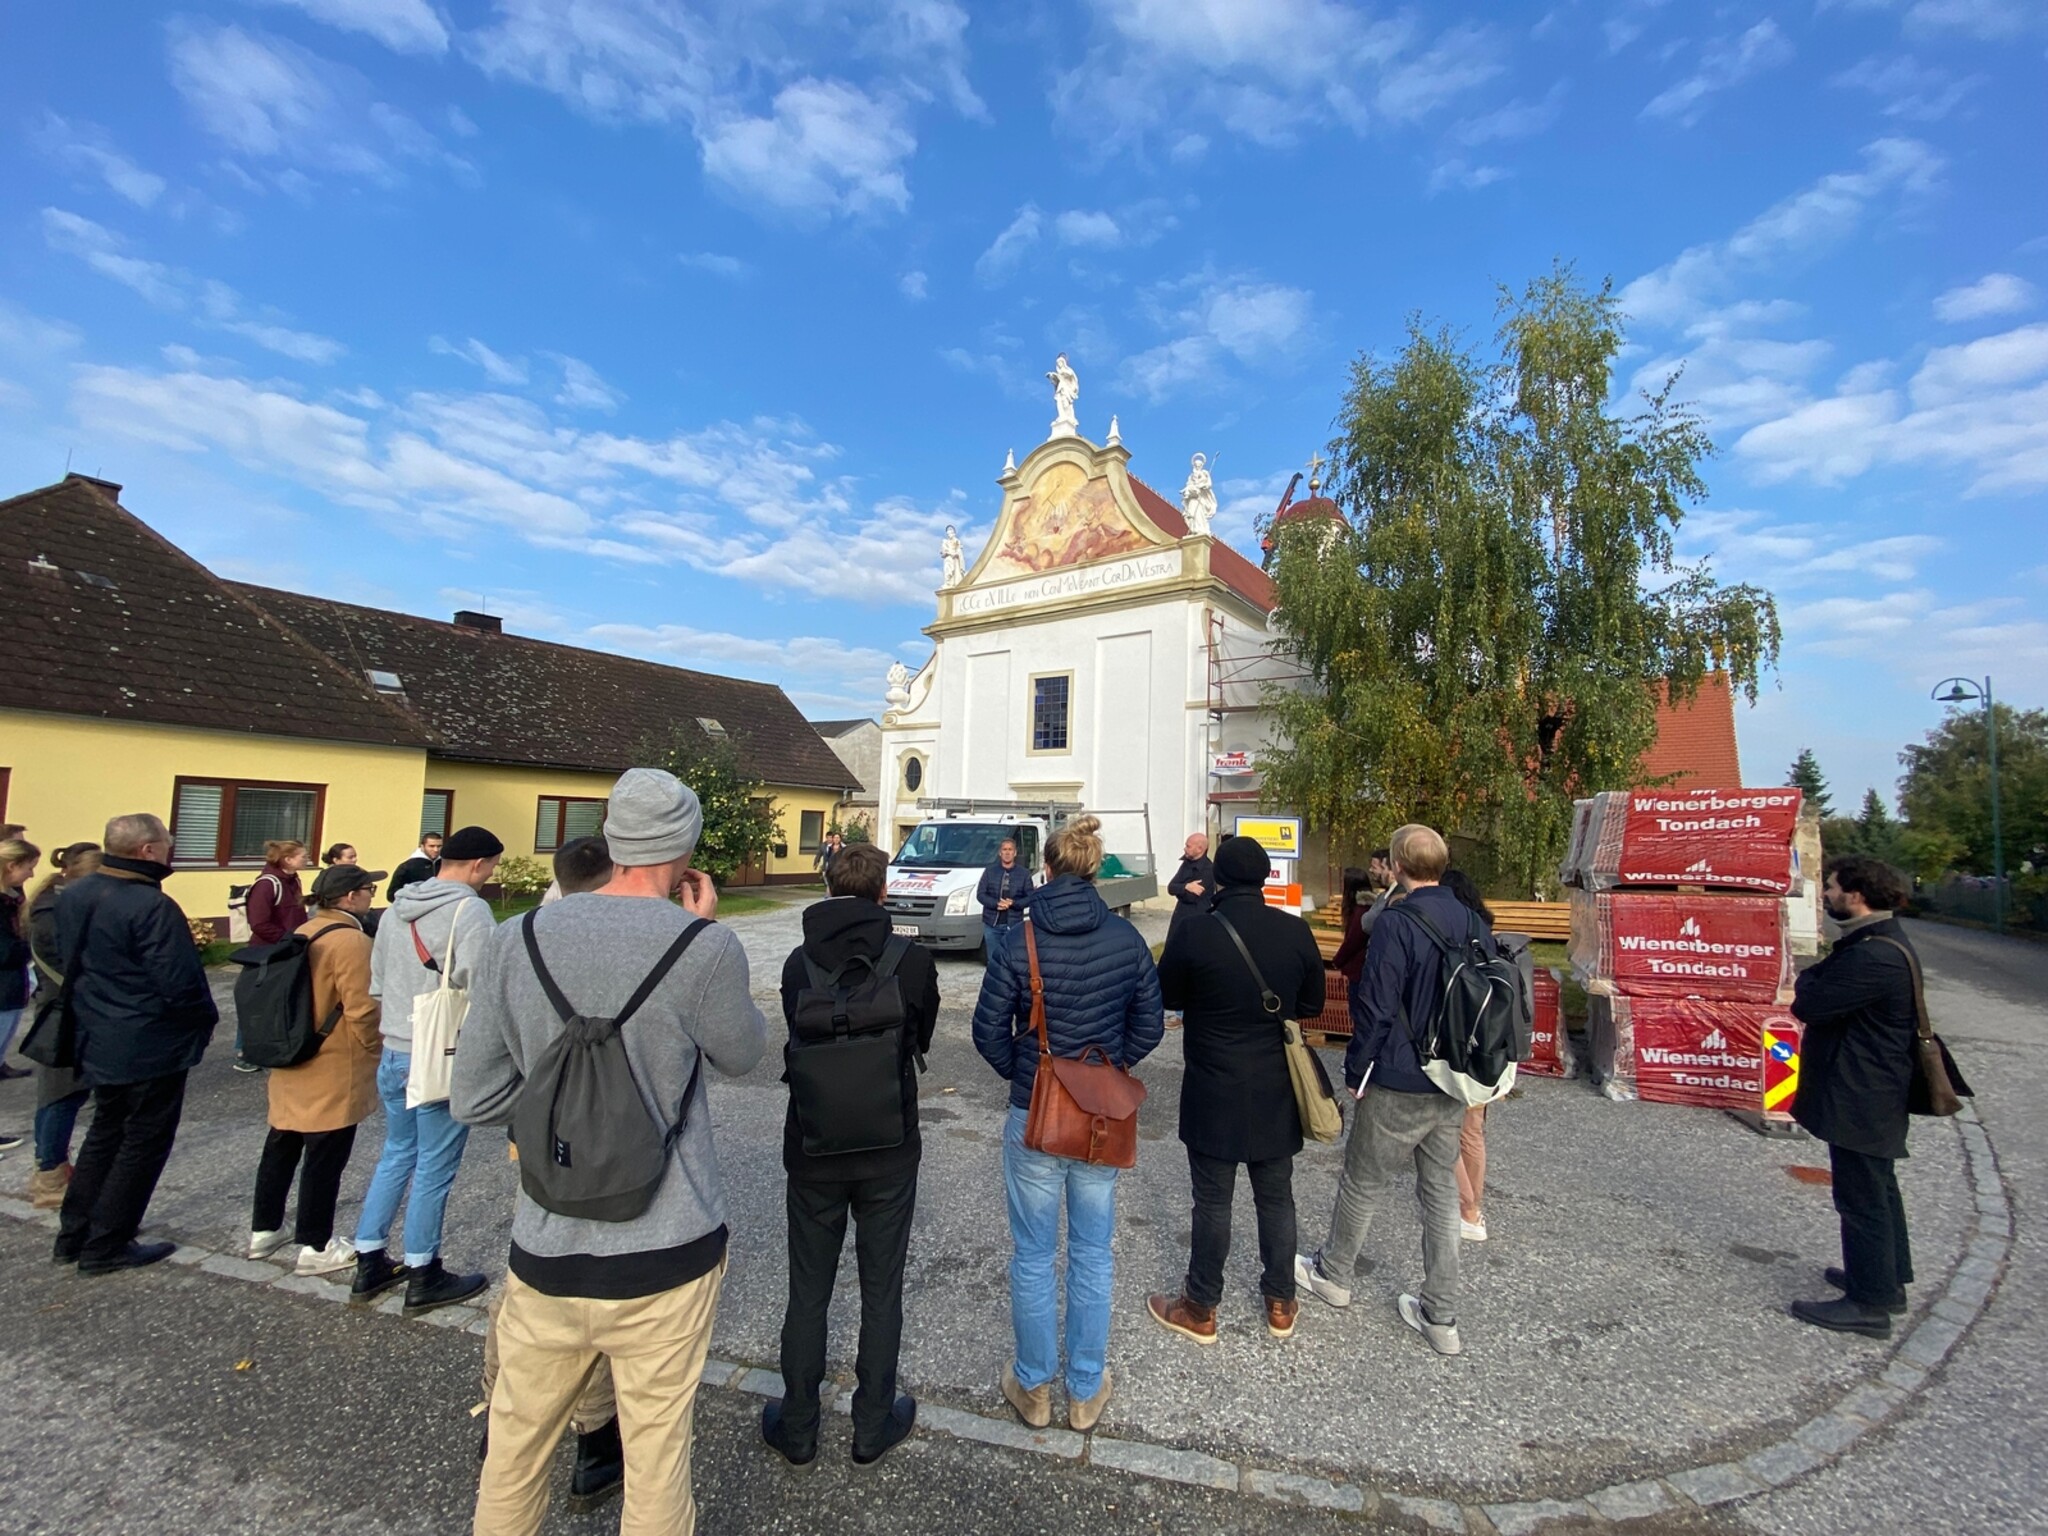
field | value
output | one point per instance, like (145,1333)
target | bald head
(1197,846)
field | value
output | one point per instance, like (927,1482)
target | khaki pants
(595,1405)
(546,1347)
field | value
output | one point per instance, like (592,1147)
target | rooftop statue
(1066,389)
(1198,497)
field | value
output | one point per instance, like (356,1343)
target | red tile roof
(1225,563)
(1696,740)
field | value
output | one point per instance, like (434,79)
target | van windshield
(956,845)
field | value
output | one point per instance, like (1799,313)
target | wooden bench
(1539,919)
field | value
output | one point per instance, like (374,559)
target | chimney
(469,618)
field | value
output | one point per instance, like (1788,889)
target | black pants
(115,1173)
(881,1211)
(326,1154)
(1877,1255)
(1215,1181)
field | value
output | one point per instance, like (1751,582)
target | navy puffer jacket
(1101,988)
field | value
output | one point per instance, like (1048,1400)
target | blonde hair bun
(1075,849)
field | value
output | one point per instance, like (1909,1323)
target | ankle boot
(376,1273)
(600,1467)
(46,1187)
(431,1286)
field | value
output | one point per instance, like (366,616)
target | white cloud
(1517,119)
(85,147)
(1746,546)
(828,148)
(276,103)
(716,263)
(1007,251)
(1950,374)
(1083,227)
(767,87)
(1457,174)
(1724,64)
(1264,70)
(808,666)
(913,286)
(1213,322)
(404,26)
(1800,227)
(1906,88)
(1996,293)
(213,305)
(583,389)
(1988,20)
(497,367)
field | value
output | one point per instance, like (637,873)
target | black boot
(776,1434)
(600,1467)
(1845,1316)
(376,1273)
(431,1286)
(895,1430)
(1839,1279)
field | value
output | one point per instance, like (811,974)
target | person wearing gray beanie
(653,818)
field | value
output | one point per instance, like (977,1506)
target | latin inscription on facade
(1053,586)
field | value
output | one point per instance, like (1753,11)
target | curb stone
(1964,1294)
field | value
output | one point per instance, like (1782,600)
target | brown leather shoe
(1183,1316)
(1082,1416)
(1280,1317)
(1033,1407)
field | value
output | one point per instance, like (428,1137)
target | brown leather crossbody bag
(1082,1108)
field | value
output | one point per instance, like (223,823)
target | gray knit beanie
(653,818)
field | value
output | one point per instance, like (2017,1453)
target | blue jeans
(422,1148)
(55,1122)
(1037,1185)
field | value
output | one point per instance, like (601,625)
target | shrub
(521,876)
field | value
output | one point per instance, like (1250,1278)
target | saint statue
(1198,497)
(1066,389)
(954,559)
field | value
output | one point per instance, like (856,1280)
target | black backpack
(274,1001)
(1469,1047)
(845,1061)
(588,1147)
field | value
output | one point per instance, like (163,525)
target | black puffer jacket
(13,951)
(835,932)
(140,998)
(1101,988)
(1856,1053)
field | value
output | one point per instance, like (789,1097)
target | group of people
(605,1319)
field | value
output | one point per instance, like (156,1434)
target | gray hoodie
(598,949)
(396,974)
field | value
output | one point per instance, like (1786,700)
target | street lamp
(1967,690)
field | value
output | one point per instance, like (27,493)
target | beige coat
(337,1086)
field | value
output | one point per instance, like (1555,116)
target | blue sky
(684,330)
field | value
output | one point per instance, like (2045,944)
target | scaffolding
(1242,664)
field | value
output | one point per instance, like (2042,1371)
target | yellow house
(137,680)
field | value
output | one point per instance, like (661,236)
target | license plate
(906,930)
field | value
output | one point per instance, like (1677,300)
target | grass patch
(513,906)
(735,904)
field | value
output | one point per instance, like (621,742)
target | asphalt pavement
(1624,1324)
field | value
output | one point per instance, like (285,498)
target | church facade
(1104,648)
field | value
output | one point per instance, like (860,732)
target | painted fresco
(1064,519)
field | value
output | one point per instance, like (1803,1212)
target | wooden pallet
(1539,919)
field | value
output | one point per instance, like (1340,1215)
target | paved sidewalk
(1625,1323)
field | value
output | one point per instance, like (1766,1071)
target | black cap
(337,880)
(466,843)
(1242,861)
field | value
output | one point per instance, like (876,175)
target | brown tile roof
(498,698)
(831,728)
(1696,740)
(1225,563)
(106,618)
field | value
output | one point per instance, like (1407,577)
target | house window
(222,822)
(563,819)
(810,834)
(913,774)
(1051,696)
(437,811)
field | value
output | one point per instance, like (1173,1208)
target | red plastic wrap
(1730,948)
(1688,1051)
(1552,1048)
(1739,839)
(1336,1015)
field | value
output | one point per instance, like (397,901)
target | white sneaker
(339,1253)
(263,1244)
(1472,1231)
(1308,1273)
(1443,1340)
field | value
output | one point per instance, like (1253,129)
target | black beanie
(466,843)
(1242,861)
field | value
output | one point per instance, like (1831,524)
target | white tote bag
(436,1021)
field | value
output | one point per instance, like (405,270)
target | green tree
(1946,791)
(1805,774)
(1870,831)
(1489,632)
(740,821)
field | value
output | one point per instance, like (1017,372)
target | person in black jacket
(60,1091)
(1102,990)
(1856,1064)
(144,1015)
(1236,1099)
(1004,892)
(1193,885)
(423,863)
(879,1187)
